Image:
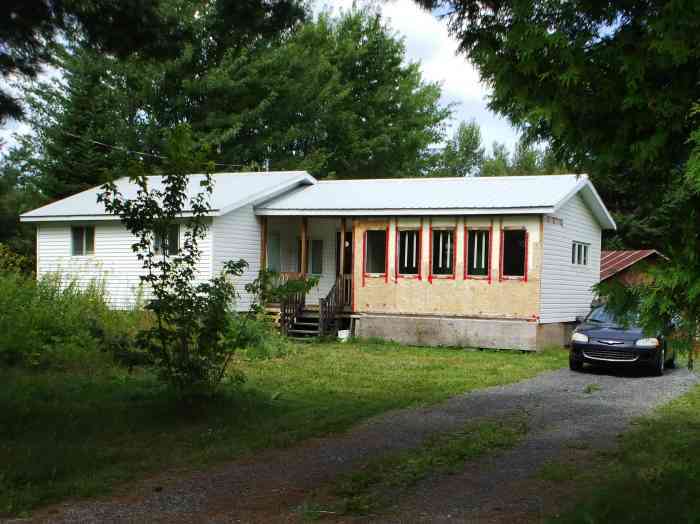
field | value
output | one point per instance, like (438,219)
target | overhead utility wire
(130,151)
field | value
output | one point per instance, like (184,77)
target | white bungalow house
(505,262)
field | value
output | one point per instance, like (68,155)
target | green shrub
(256,337)
(56,323)
(11,262)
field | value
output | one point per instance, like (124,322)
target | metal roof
(231,191)
(439,196)
(612,262)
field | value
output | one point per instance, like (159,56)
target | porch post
(341,261)
(263,244)
(304,258)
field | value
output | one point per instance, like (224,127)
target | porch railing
(339,296)
(290,308)
(327,311)
(344,290)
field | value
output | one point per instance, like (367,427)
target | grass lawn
(78,433)
(654,475)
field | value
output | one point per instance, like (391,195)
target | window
(443,252)
(316,250)
(169,244)
(514,252)
(408,252)
(83,240)
(273,252)
(579,253)
(478,252)
(375,251)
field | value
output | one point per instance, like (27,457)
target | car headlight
(579,337)
(647,342)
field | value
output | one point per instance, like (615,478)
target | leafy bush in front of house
(269,287)
(188,341)
(257,336)
(54,322)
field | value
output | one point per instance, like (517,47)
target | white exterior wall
(113,263)
(565,287)
(236,235)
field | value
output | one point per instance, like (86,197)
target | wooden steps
(305,326)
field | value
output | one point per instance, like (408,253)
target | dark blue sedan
(601,339)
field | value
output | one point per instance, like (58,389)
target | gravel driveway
(560,409)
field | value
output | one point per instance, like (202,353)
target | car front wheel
(660,363)
(575,365)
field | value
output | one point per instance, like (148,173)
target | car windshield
(602,315)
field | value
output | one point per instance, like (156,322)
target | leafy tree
(498,162)
(188,343)
(335,97)
(463,154)
(609,84)
(18,194)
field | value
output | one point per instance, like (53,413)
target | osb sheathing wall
(501,298)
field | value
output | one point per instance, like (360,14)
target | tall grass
(54,321)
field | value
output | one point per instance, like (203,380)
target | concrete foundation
(557,334)
(462,332)
(449,331)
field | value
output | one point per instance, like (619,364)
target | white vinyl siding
(236,235)
(113,263)
(566,288)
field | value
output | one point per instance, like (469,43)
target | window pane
(169,245)
(375,261)
(78,234)
(514,253)
(573,253)
(316,257)
(273,252)
(478,252)
(89,240)
(579,255)
(408,252)
(443,252)
(585,255)
(173,239)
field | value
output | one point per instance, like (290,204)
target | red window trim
(523,278)
(386,255)
(365,274)
(410,276)
(430,252)
(467,275)
(452,276)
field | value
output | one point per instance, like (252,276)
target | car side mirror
(580,319)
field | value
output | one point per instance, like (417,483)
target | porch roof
(439,196)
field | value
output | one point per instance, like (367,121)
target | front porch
(321,247)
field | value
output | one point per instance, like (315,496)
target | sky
(427,42)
